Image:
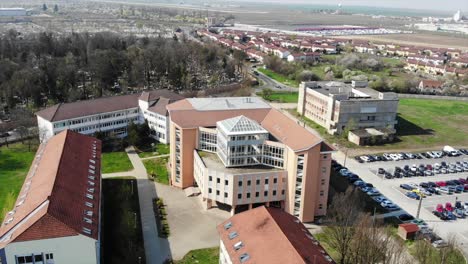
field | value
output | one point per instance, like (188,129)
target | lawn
(282,97)
(14,166)
(122,237)
(157,170)
(201,256)
(323,239)
(159,149)
(115,162)
(279,77)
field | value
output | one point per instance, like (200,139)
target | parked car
(439,208)
(448,207)
(413,195)
(445,190)
(405,217)
(406,187)
(459,213)
(380,171)
(441,215)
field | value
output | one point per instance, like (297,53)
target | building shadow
(407,128)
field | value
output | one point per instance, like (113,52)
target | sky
(445,5)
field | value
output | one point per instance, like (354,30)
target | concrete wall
(71,250)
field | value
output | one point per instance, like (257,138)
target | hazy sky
(446,5)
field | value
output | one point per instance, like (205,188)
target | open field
(201,256)
(159,149)
(282,97)
(115,162)
(421,39)
(14,166)
(122,238)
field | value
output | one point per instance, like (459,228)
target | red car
(441,183)
(440,208)
(462,181)
(448,207)
(466,187)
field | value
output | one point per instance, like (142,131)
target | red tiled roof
(270,235)
(52,200)
(410,227)
(153,95)
(431,83)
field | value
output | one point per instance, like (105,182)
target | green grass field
(430,123)
(157,168)
(14,166)
(279,77)
(115,162)
(282,97)
(201,256)
(159,149)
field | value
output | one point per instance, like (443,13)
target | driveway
(191,227)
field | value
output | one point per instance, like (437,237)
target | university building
(56,218)
(109,115)
(336,105)
(269,236)
(241,153)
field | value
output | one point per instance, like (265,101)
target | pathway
(156,249)
(155,157)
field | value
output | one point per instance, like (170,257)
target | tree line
(46,68)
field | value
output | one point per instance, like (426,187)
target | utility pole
(345,157)
(419,206)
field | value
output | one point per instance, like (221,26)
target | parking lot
(390,188)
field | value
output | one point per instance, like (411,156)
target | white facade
(71,250)
(224,257)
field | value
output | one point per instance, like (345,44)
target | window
(217,192)
(240,183)
(275,180)
(320,206)
(274,192)
(210,190)
(225,195)
(218,180)
(325,156)
(258,182)
(324,169)
(321,193)
(248,195)
(265,193)
(282,192)
(266,181)
(226,182)
(210,178)
(38,258)
(50,256)
(249,182)
(239,196)
(323,181)
(257,194)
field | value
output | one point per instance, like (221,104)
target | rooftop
(270,235)
(60,196)
(340,88)
(228,103)
(241,125)
(212,161)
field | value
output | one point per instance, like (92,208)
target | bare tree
(423,251)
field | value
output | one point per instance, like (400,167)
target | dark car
(424,184)
(398,169)
(459,189)
(426,155)
(381,171)
(442,216)
(456,182)
(432,184)
(388,175)
(432,190)
(405,217)
(406,168)
(406,187)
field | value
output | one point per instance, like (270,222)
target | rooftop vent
(233,235)
(87,220)
(91,171)
(91,177)
(9,220)
(227,225)
(89,196)
(92,166)
(88,204)
(244,257)
(12,212)
(91,190)
(21,202)
(92,161)
(91,183)
(238,245)
(87,231)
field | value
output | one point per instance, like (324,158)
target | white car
(414,185)
(373,192)
(364,158)
(439,244)
(380,199)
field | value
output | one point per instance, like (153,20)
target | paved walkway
(156,249)
(155,157)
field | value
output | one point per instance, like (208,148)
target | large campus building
(242,153)
(109,115)
(336,105)
(56,218)
(268,236)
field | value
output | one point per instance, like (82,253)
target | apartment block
(56,218)
(270,236)
(334,104)
(110,115)
(241,153)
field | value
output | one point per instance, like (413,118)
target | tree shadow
(407,128)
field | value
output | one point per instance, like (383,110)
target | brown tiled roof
(279,125)
(52,200)
(162,102)
(270,235)
(410,227)
(432,83)
(66,111)
(153,95)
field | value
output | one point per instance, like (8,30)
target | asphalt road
(270,83)
(390,189)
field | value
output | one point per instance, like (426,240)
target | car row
(447,151)
(416,191)
(450,212)
(424,169)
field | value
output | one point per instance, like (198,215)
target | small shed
(408,231)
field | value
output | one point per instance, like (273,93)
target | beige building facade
(241,153)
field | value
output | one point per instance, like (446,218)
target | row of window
(249,182)
(94,118)
(239,196)
(34,258)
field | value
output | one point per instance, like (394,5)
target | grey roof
(241,125)
(228,103)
